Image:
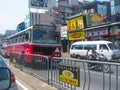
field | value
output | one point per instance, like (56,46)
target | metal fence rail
(39,66)
(89,79)
(52,72)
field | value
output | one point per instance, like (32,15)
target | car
(5,79)
(12,76)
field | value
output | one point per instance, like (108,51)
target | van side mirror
(5,78)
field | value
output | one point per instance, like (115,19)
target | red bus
(38,39)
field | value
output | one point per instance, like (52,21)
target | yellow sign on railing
(70,75)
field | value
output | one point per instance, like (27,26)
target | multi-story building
(68,8)
(38,12)
(115,10)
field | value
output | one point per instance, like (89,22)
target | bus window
(53,37)
(39,36)
(26,37)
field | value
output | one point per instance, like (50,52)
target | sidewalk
(29,81)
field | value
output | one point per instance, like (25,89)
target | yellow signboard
(75,23)
(77,35)
(70,75)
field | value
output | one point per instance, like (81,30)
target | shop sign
(58,21)
(77,35)
(63,32)
(75,23)
(58,15)
(69,74)
(97,32)
(57,9)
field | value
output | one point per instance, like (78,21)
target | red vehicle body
(35,40)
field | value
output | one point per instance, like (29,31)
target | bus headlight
(57,55)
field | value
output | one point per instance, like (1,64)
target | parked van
(107,48)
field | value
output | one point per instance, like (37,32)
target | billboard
(75,23)
(99,17)
(102,10)
(37,3)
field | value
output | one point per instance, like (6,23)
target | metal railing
(104,75)
(37,65)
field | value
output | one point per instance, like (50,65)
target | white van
(107,48)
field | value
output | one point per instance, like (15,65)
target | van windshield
(112,46)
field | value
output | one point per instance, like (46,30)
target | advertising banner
(64,33)
(75,23)
(97,32)
(69,74)
(77,35)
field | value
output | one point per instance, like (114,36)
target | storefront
(97,34)
(75,29)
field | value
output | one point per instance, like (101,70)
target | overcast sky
(12,12)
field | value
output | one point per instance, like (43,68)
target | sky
(12,12)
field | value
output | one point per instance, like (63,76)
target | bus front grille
(44,50)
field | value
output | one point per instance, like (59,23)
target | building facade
(96,24)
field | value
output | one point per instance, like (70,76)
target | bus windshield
(39,36)
(53,37)
(44,37)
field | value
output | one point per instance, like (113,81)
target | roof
(92,42)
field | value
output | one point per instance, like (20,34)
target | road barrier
(39,65)
(70,73)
